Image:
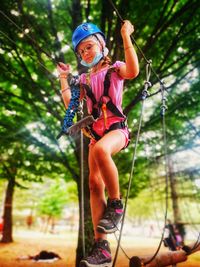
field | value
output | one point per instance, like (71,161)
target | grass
(27,242)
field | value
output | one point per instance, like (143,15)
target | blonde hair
(106,61)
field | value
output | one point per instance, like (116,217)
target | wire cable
(26,53)
(147,83)
(144,95)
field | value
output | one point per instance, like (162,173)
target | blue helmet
(83,31)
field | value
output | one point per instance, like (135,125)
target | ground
(27,242)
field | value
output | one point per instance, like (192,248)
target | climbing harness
(105,103)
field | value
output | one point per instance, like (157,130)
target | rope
(29,37)
(134,41)
(82,183)
(71,110)
(26,53)
(144,95)
(147,84)
(197,243)
(163,109)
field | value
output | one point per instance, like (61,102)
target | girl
(103,88)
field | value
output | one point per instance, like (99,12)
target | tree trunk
(7,215)
(86,224)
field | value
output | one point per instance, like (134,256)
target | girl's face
(88,50)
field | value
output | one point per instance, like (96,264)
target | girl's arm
(131,67)
(63,70)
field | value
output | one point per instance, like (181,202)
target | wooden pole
(164,259)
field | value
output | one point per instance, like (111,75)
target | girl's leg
(101,166)
(103,150)
(100,254)
(97,194)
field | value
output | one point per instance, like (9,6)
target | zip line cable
(144,95)
(134,41)
(82,183)
(26,53)
(163,109)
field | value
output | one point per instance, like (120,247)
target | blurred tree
(51,205)
(31,107)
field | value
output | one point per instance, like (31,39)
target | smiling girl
(103,89)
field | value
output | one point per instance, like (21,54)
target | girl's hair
(106,61)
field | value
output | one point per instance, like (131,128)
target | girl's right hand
(63,69)
(127,28)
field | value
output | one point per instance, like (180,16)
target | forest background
(39,175)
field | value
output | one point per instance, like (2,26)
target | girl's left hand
(127,28)
(63,68)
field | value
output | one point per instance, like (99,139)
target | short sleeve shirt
(97,86)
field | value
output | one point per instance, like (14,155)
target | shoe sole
(103,230)
(87,264)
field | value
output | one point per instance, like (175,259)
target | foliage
(53,201)
(34,102)
(34,35)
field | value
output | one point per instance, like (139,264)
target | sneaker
(100,255)
(112,217)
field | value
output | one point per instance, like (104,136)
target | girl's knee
(99,152)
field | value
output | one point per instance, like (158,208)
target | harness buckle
(104,110)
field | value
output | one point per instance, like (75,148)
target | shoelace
(109,214)
(96,253)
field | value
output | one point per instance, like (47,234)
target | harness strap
(109,104)
(107,80)
(114,109)
(114,126)
(104,110)
(104,106)
(89,93)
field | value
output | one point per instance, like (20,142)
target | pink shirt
(115,92)
(96,84)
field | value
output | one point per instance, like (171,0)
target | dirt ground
(31,243)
